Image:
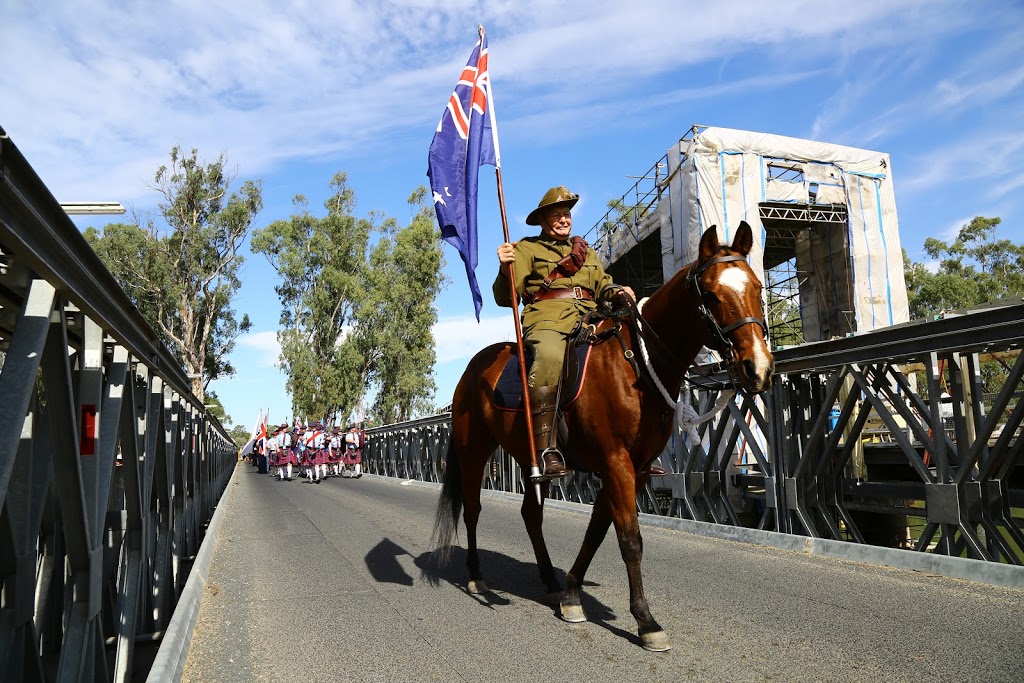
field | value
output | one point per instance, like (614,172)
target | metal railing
(784,462)
(109,467)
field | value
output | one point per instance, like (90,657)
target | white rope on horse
(686,417)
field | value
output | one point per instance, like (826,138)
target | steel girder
(964,470)
(781,462)
(109,467)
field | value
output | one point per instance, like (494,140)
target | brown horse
(619,423)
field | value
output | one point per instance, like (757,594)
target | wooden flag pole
(535,474)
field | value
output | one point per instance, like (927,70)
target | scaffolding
(828,248)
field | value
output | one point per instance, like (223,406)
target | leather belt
(574,293)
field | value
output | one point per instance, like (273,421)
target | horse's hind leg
(533,517)
(473,469)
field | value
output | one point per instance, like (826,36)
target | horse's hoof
(572,613)
(656,641)
(477,587)
(555,598)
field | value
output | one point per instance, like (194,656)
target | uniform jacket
(536,257)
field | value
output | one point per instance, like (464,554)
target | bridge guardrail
(109,467)
(782,462)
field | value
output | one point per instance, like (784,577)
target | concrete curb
(993,573)
(169,664)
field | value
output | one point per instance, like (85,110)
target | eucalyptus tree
(183,272)
(393,335)
(974,268)
(321,262)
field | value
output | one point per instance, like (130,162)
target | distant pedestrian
(354,450)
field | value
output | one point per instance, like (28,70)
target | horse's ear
(744,239)
(708,244)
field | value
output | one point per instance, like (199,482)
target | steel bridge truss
(808,468)
(782,462)
(109,467)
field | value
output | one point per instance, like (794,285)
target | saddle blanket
(508,392)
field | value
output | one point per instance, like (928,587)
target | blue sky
(587,93)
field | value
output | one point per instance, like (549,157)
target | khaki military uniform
(547,324)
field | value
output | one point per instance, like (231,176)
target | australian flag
(462,143)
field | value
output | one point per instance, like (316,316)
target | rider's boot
(543,409)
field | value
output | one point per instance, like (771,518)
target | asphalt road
(331,582)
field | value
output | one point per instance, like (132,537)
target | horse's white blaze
(735,279)
(761,364)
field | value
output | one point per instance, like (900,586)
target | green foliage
(393,335)
(216,408)
(974,269)
(183,275)
(354,317)
(240,435)
(321,261)
(783,318)
(620,216)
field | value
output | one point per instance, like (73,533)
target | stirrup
(551,473)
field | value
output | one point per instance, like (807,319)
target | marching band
(317,450)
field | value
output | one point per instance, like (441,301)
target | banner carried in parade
(466,138)
(259,431)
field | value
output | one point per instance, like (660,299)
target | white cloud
(461,337)
(981,155)
(949,234)
(892,92)
(840,105)
(1010,184)
(101,90)
(265,344)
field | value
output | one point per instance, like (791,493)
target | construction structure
(827,243)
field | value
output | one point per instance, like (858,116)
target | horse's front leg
(533,517)
(571,609)
(622,498)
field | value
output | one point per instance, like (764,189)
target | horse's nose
(759,376)
(749,369)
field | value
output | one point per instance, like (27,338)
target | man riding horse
(560,280)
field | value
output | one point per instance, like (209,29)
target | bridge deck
(323,583)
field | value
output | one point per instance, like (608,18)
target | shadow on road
(382,561)
(507,578)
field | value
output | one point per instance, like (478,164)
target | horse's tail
(449,506)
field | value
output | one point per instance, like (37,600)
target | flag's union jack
(474,82)
(463,141)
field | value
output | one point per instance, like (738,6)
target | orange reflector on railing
(87,442)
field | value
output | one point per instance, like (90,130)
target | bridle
(721,342)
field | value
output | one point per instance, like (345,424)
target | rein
(686,417)
(720,341)
(719,336)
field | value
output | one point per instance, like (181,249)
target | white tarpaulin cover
(721,176)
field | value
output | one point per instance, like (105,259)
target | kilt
(353,456)
(309,458)
(286,457)
(333,456)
